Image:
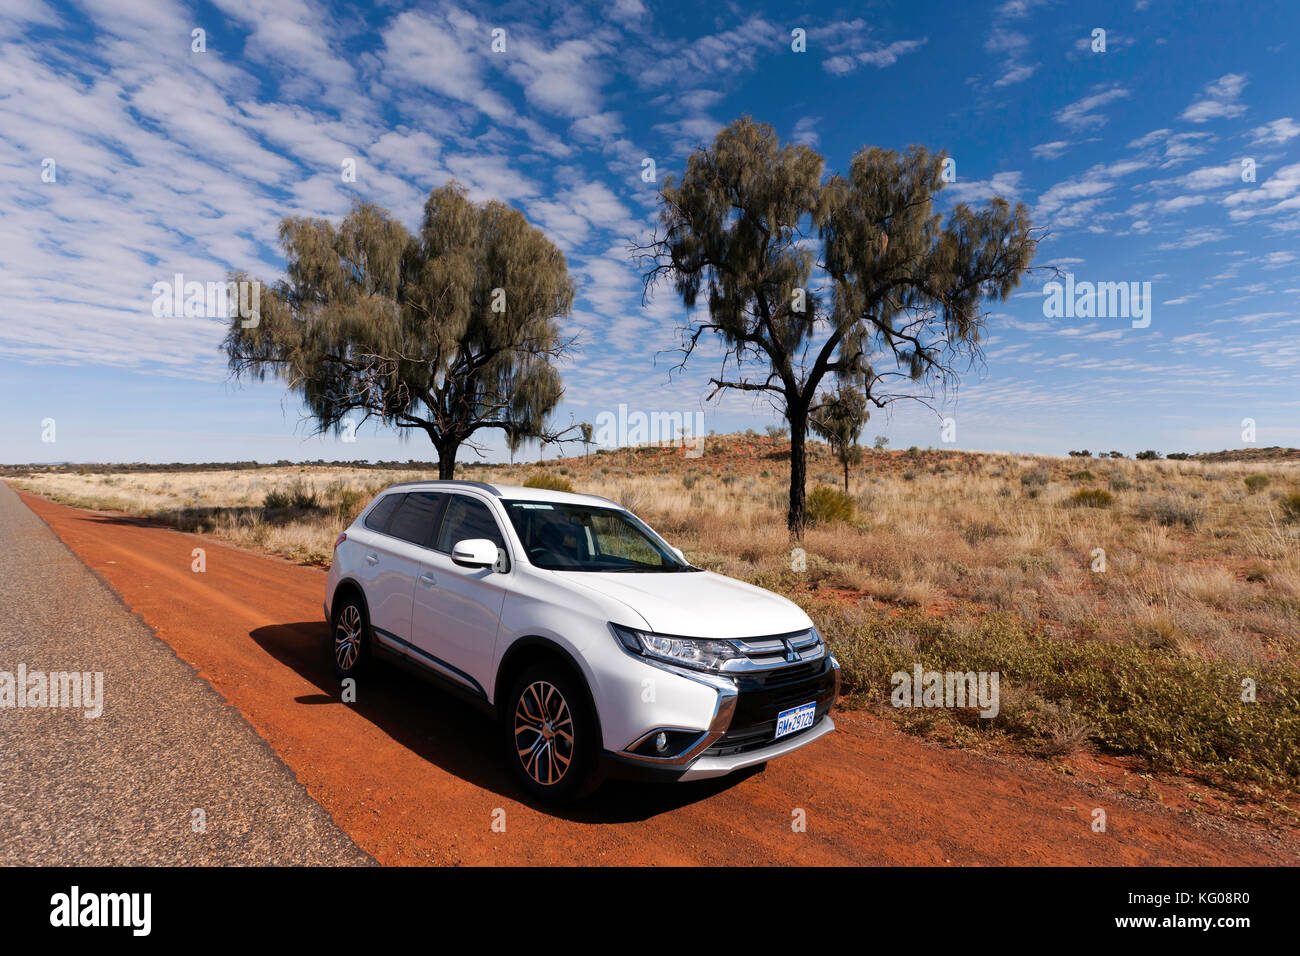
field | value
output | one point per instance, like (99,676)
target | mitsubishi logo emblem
(790,653)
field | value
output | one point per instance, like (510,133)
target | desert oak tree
(448,332)
(853,276)
(838,417)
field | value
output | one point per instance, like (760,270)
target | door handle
(372,558)
(427,580)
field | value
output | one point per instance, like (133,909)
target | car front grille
(762,697)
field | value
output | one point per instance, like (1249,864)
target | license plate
(795,719)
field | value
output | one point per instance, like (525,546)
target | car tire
(349,644)
(551,735)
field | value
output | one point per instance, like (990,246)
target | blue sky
(168,160)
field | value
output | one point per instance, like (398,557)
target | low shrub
(1170,512)
(548,483)
(1255,483)
(1180,713)
(1090,498)
(826,504)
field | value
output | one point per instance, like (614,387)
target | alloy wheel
(544,733)
(347,637)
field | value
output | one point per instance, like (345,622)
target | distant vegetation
(548,482)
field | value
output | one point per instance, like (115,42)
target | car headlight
(697,653)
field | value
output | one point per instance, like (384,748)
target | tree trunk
(846,474)
(447,459)
(798,418)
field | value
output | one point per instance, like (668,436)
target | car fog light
(661,741)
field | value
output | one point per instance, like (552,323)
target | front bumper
(742,732)
(718,766)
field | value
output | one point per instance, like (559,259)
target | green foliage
(827,504)
(752,224)
(1290,504)
(275,499)
(1090,498)
(548,482)
(1180,713)
(300,495)
(446,332)
(1255,483)
(1083,475)
(1148,455)
(838,419)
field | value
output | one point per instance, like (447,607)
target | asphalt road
(124,787)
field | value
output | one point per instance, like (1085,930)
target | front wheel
(350,643)
(551,736)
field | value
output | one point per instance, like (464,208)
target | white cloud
(879,56)
(1007,185)
(1275,133)
(1218,100)
(1083,113)
(1049,150)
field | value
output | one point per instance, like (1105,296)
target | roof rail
(481,485)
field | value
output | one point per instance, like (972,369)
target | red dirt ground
(416,778)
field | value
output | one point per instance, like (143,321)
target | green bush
(1084,475)
(1291,505)
(1180,713)
(1255,483)
(275,499)
(302,495)
(548,482)
(1090,498)
(826,504)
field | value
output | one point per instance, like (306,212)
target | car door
(457,610)
(395,558)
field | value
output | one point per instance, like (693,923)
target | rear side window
(377,519)
(414,519)
(468,518)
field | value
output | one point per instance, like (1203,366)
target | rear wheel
(551,736)
(350,642)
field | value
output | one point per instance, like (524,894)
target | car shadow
(456,736)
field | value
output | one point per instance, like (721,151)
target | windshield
(565,537)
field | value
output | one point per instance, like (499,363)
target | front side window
(468,518)
(565,537)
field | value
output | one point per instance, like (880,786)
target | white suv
(601,649)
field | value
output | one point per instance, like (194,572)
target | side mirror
(474,553)
(680,554)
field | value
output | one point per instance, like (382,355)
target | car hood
(698,603)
